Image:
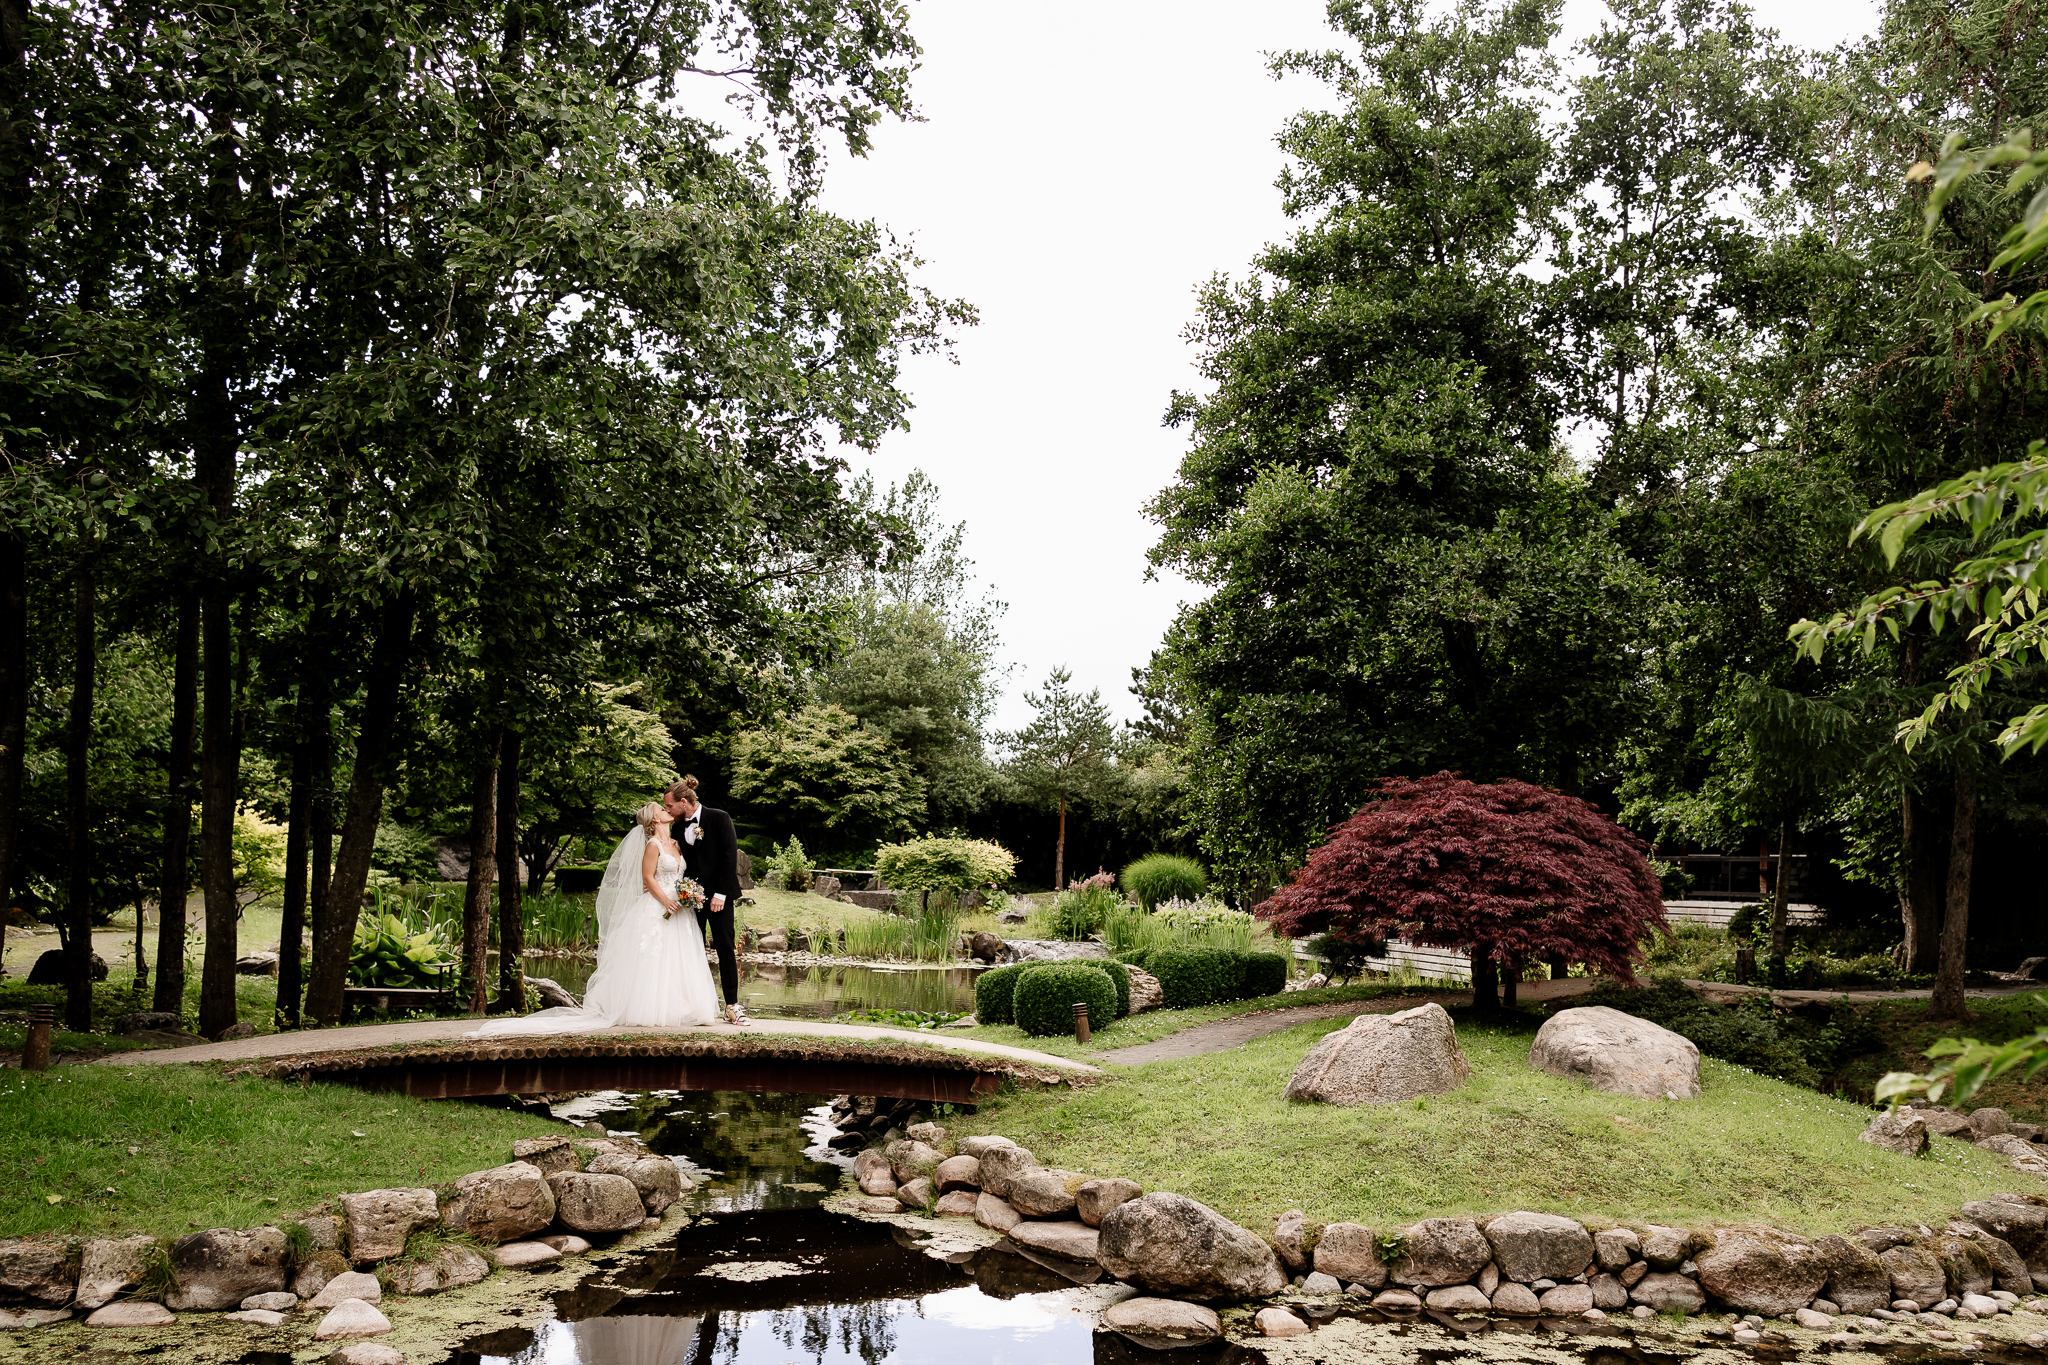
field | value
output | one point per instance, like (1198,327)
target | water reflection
(805,992)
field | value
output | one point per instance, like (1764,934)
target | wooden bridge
(436,1059)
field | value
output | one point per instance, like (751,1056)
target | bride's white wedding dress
(650,970)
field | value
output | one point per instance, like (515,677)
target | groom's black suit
(713,861)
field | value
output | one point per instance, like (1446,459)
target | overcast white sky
(1083,168)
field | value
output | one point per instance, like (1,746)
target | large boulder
(656,1177)
(550,1154)
(909,1160)
(1169,1244)
(1162,1324)
(1667,1248)
(502,1204)
(1903,1132)
(1075,1241)
(1964,1264)
(2022,1223)
(1762,1270)
(1440,1251)
(40,1274)
(1614,1248)
(1618,1053)
(1857,1280)
(1665,1291)
(450,1267)
(958,1173)
(1146,992)
(1094,1200)
(1042,1194)
(379,1221)
(596,1203)
(1290,1236)
(108,1267)
(2007,1265)
(1383,1059)
(213,1271)
(1001,1165)
(1351,1252)
(1915,1275)
(1539,1246)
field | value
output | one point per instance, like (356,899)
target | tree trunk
(1059,850)
(1485,977)
(298,841)
(476,893)
(1947,1001)
(1781,886)
(1510,982)
(511,908)
(1920,883)
(13,694)
(320,884)
(382,680)
(78,804)
(177,870)
(218,762)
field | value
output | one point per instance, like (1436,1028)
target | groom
(711,855)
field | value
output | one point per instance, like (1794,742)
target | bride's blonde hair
(650,815)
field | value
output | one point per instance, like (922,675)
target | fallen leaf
(355,1133)
(54,1198)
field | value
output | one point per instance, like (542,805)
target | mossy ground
(211,1151)
(1215,1128)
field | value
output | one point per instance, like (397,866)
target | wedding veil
(621,881)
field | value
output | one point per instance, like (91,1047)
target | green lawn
(215,1152)
(1215,1129)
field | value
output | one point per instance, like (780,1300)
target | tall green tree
(1066,753)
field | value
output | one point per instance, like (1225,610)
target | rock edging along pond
(1522,1264)
(556,1197)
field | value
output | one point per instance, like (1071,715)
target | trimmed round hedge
(994,992)
(1159,877)
(1197,976)
(1264,974)
(1119,981)
(1045,997)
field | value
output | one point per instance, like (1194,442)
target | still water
(802,992)
(766,1277)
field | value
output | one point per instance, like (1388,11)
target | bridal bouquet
(689,896)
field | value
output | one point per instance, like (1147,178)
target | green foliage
(1197,976)
(1119,981)
(1206,923)
(1079,914)
(403,853)
(387,952)
(1160,877)
(1264,974)
(947,864)
(1047,993)
(1067,753)
(995,994)
(792,864)
(917,1019)
(821,770)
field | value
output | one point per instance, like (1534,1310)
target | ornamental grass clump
(1047,993)
(1511,872)
(1160,877)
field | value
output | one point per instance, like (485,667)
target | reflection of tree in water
(863,1330)
(756,1142)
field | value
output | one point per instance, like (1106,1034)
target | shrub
(994,993)
(1137,957)
(1047,993)
(1197,976)
(794,865)
(1264,974)
(1160,877)
(943,864)
(1078,914)
(1119,981)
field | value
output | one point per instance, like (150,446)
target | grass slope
(1214,1128)
(216,1152)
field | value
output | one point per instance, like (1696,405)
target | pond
(772,990)
(766,1276)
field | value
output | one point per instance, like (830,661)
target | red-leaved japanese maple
(1512,872)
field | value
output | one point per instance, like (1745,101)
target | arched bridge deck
(433,1059)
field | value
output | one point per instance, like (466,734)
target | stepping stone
(515,1254)
(349,1284)
(131,1313)
(262,1317)
(353,1318)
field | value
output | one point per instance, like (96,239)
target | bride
(650,950)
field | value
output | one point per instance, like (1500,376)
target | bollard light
(35,1053)
(1080,1021)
